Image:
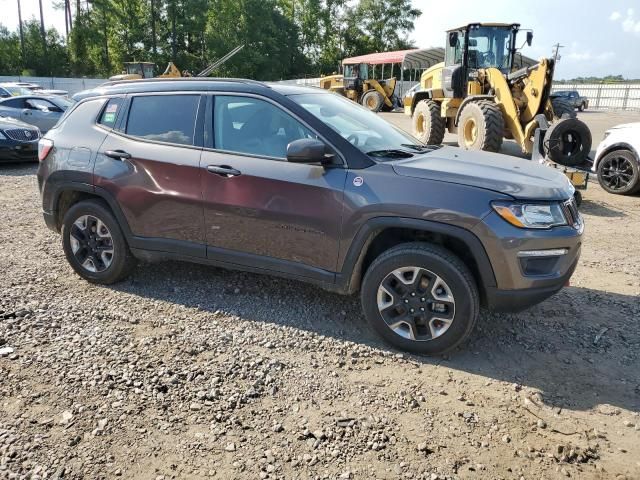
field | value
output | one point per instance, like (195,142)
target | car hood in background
(8,122)
(520,178)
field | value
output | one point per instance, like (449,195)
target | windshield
(16,90)
(63,103)
(490,47)
(363,128)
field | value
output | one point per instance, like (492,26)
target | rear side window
(164,118)
(14,103)
(110,113)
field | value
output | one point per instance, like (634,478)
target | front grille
(23,134)
(570,209)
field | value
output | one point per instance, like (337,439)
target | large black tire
(568,142)
(428,125)
(582,107)
(561,107)
(121,262)
(481,126)
(437,272)
(372,100)
(619,172)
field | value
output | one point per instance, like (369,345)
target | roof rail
(184,79)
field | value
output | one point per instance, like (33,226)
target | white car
(617,162)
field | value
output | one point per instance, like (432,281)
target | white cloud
(590,56)
(615,16)
(629,24)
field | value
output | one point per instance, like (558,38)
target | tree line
(282,38)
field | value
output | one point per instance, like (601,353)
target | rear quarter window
(164,118)
(110,112)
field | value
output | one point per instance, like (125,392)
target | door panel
(273,208)
(158,188)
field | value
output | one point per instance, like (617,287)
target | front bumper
(18,152)
(524,281)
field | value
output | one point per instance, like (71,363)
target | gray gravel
(186,371)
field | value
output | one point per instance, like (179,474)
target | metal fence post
(598,96)
(626,98)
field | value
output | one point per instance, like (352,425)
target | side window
(164,118)
(42,105)
(14,103)
(110,112)
(254,126)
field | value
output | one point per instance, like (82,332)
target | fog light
(557,252)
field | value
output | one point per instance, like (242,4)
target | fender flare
(420,95)
(351,273)
(469,99)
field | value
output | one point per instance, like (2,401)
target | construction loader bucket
(568,142)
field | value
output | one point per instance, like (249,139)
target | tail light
(44,147)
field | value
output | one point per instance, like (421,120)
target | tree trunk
(153,29)
(21,32)
(174,46)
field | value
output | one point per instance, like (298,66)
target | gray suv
(301,183)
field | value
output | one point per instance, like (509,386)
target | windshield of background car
(63,103)
(15,90)
(364,129)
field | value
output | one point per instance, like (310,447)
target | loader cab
(478,45)
(144,69)
(354,76)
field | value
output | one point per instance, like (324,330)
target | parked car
(11,90)
(617,162)
(302,183)
(573,97)
(37,89)
(41,111)
(18,141)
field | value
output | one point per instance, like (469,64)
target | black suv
(305,184)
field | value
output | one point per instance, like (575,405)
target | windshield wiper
(389,153)
(420,147)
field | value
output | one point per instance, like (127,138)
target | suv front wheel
(94,244)
(421,298)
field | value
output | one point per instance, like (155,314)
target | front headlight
(531,215)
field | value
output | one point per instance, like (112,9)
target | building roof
(415,58)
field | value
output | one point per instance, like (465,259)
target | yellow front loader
(481,93)
(139,70)
(356,85)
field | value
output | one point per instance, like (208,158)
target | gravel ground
(186,371)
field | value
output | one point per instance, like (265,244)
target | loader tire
(561,107)
(372,100)
(428,125)
(481,126)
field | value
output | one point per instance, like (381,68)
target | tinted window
(251,125)
(165,118)
(14,103)
(110,112)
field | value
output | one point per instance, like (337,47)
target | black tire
(481,126)
(568,142)
(561,107)
(582,107)
(577,197)
(619,172)
(436,261)
(428,125)
(122,262)
(372,100)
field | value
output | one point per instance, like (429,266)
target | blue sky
(600,37)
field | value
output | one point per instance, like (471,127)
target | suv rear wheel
(421,298)
(94,244)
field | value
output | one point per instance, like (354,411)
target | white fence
(71,85)
(619,96)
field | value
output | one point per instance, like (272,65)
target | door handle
(117,154)
(224,170)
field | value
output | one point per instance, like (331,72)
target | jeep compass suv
(302,183)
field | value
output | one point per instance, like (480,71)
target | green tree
(10,61)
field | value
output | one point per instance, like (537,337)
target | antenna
(216,64)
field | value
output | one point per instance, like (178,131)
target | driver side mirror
(453,39)
(529,38)
(307,150)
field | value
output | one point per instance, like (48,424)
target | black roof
(195,84)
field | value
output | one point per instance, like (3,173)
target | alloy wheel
(617,172)
(91,243)
(416,303)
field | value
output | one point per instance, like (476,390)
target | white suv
(617,162)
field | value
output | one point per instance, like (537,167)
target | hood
(520,178)
(622,126)
(8,122)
